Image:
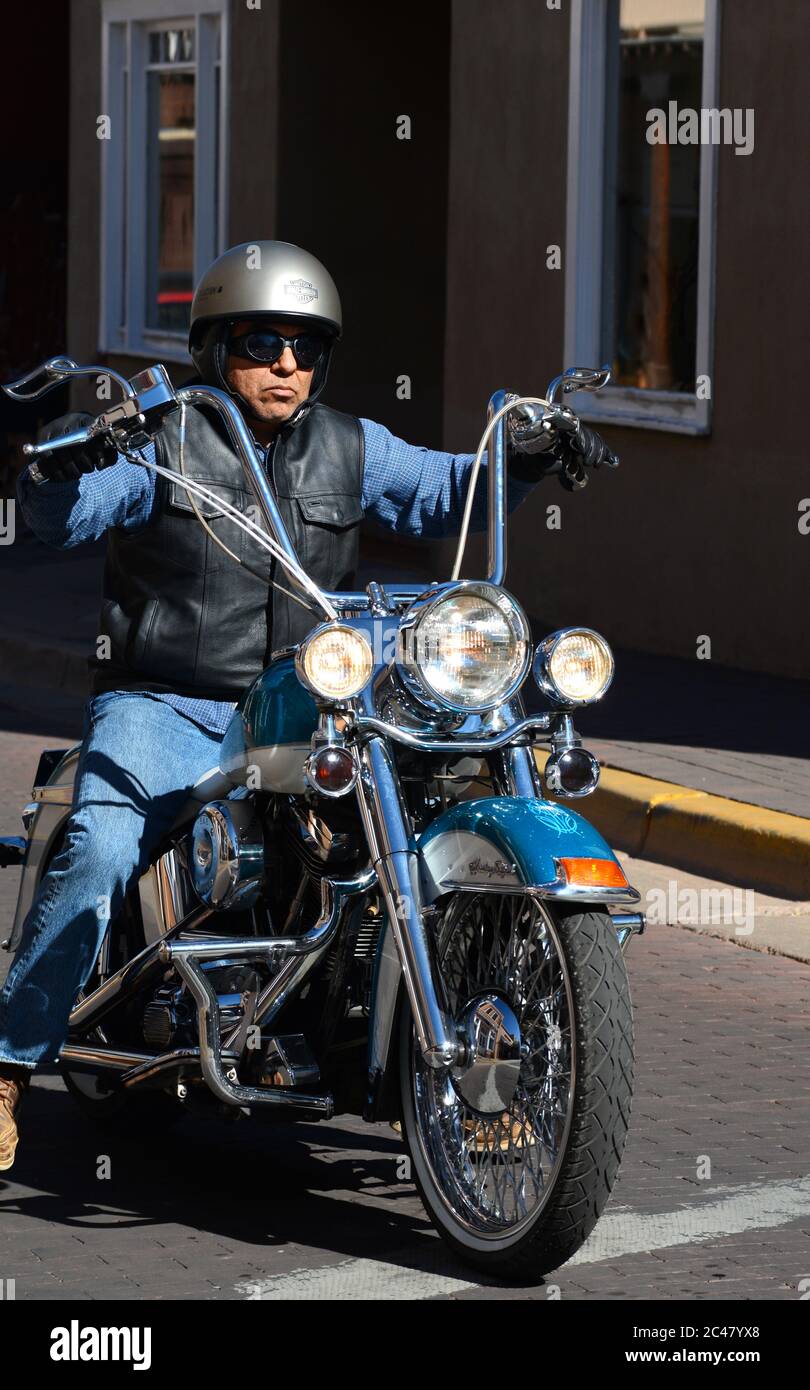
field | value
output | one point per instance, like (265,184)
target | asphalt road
(713,1198)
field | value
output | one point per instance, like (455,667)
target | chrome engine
(319,844)
(170,1017)
(226,859)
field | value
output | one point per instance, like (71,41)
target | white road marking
(357,1279)
(756,1207)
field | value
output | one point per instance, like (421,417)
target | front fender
(505,844)
(509,843)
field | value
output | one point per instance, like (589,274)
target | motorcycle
(370,906)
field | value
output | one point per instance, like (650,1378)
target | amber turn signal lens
(593,873)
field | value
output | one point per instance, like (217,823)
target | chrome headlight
(574,667)
(466,650)
(335,662)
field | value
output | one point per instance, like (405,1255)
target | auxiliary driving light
(574,666)
(335,662)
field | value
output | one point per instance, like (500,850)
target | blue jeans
(139,758)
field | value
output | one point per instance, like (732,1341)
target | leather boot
(14,1082)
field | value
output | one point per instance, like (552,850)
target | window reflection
(171,46)
(651,195)
(170,197)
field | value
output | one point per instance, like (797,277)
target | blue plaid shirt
(410,490)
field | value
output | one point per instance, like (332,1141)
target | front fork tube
(519,773)
(385,821)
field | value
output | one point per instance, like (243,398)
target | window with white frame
(640,239)
(163,167)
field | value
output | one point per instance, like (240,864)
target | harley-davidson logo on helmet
(301,290)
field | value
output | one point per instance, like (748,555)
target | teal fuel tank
(271,730)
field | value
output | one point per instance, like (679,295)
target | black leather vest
(181,615)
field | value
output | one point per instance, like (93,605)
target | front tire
(516,1195)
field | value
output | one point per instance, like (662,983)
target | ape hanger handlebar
(149,396)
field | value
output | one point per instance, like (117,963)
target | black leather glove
(578,449)
(66,465)
(556,442)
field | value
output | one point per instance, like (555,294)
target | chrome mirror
(52,373)
(579,379)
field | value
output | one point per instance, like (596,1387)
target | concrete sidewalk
(704,767)
(732,841)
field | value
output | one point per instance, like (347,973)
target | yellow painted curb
(731,841)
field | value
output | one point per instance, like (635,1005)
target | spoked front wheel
(515,1157)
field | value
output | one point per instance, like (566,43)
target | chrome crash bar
(185,952)
(369,724)
(627,925)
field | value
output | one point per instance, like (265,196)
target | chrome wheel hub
(488,1077)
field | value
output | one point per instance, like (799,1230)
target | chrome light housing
(572,772)
(574,666)
(335,661)
(465,649)
(331,770)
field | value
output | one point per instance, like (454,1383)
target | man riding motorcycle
(184,628)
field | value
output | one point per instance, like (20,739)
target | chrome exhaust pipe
(216,1064)
(151,1067)
(76,1057)
(134,1067)
(140,1068)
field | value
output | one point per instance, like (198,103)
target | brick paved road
(231,1211)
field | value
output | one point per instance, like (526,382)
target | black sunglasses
(265,345)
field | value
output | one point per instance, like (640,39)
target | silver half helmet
(259,279)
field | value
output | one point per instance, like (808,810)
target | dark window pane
(170,200)
(122,307)
(652,195)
